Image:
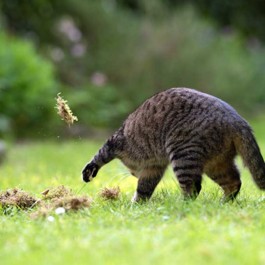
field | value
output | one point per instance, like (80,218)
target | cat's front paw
(90,171)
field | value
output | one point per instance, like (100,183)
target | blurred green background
(107,56)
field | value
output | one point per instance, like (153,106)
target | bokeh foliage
(27,87)
(246,16)
(109,56)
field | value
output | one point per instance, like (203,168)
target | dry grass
(110,193)
(69,203)
(72,202)
(17,198)
(64,110)
(52,199)
(57,192)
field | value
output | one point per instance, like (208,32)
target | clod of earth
(72,202)
(17,198)
(60,196)
(64,110)
(57,192)
(110,193)
(52,199)
(69,203)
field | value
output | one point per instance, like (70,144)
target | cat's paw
(90,171)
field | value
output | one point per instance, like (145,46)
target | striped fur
(194,132)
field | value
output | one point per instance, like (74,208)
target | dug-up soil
(51,199)
(110,193)
(18,198)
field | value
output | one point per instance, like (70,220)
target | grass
(165,230)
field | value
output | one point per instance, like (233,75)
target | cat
(195,132)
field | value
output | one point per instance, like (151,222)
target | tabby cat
(195,132)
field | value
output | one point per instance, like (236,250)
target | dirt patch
(72,202)
(68,203)
(110,193)
(17,198)
(53,198)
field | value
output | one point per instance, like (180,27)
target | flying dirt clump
(110,193)
(64,110)
(17,198)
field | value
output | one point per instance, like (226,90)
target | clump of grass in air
(64,110)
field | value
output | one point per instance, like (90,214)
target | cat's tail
(248,149)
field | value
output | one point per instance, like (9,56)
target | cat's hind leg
(188,167)
(148,179)
(227,176)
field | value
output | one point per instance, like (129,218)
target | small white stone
(50,218)
(60,210)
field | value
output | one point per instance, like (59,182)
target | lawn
(165,230)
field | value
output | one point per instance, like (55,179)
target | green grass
(165,230)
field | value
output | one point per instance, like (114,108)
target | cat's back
(176,105)
(177,116)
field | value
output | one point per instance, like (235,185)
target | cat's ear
(90,171)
